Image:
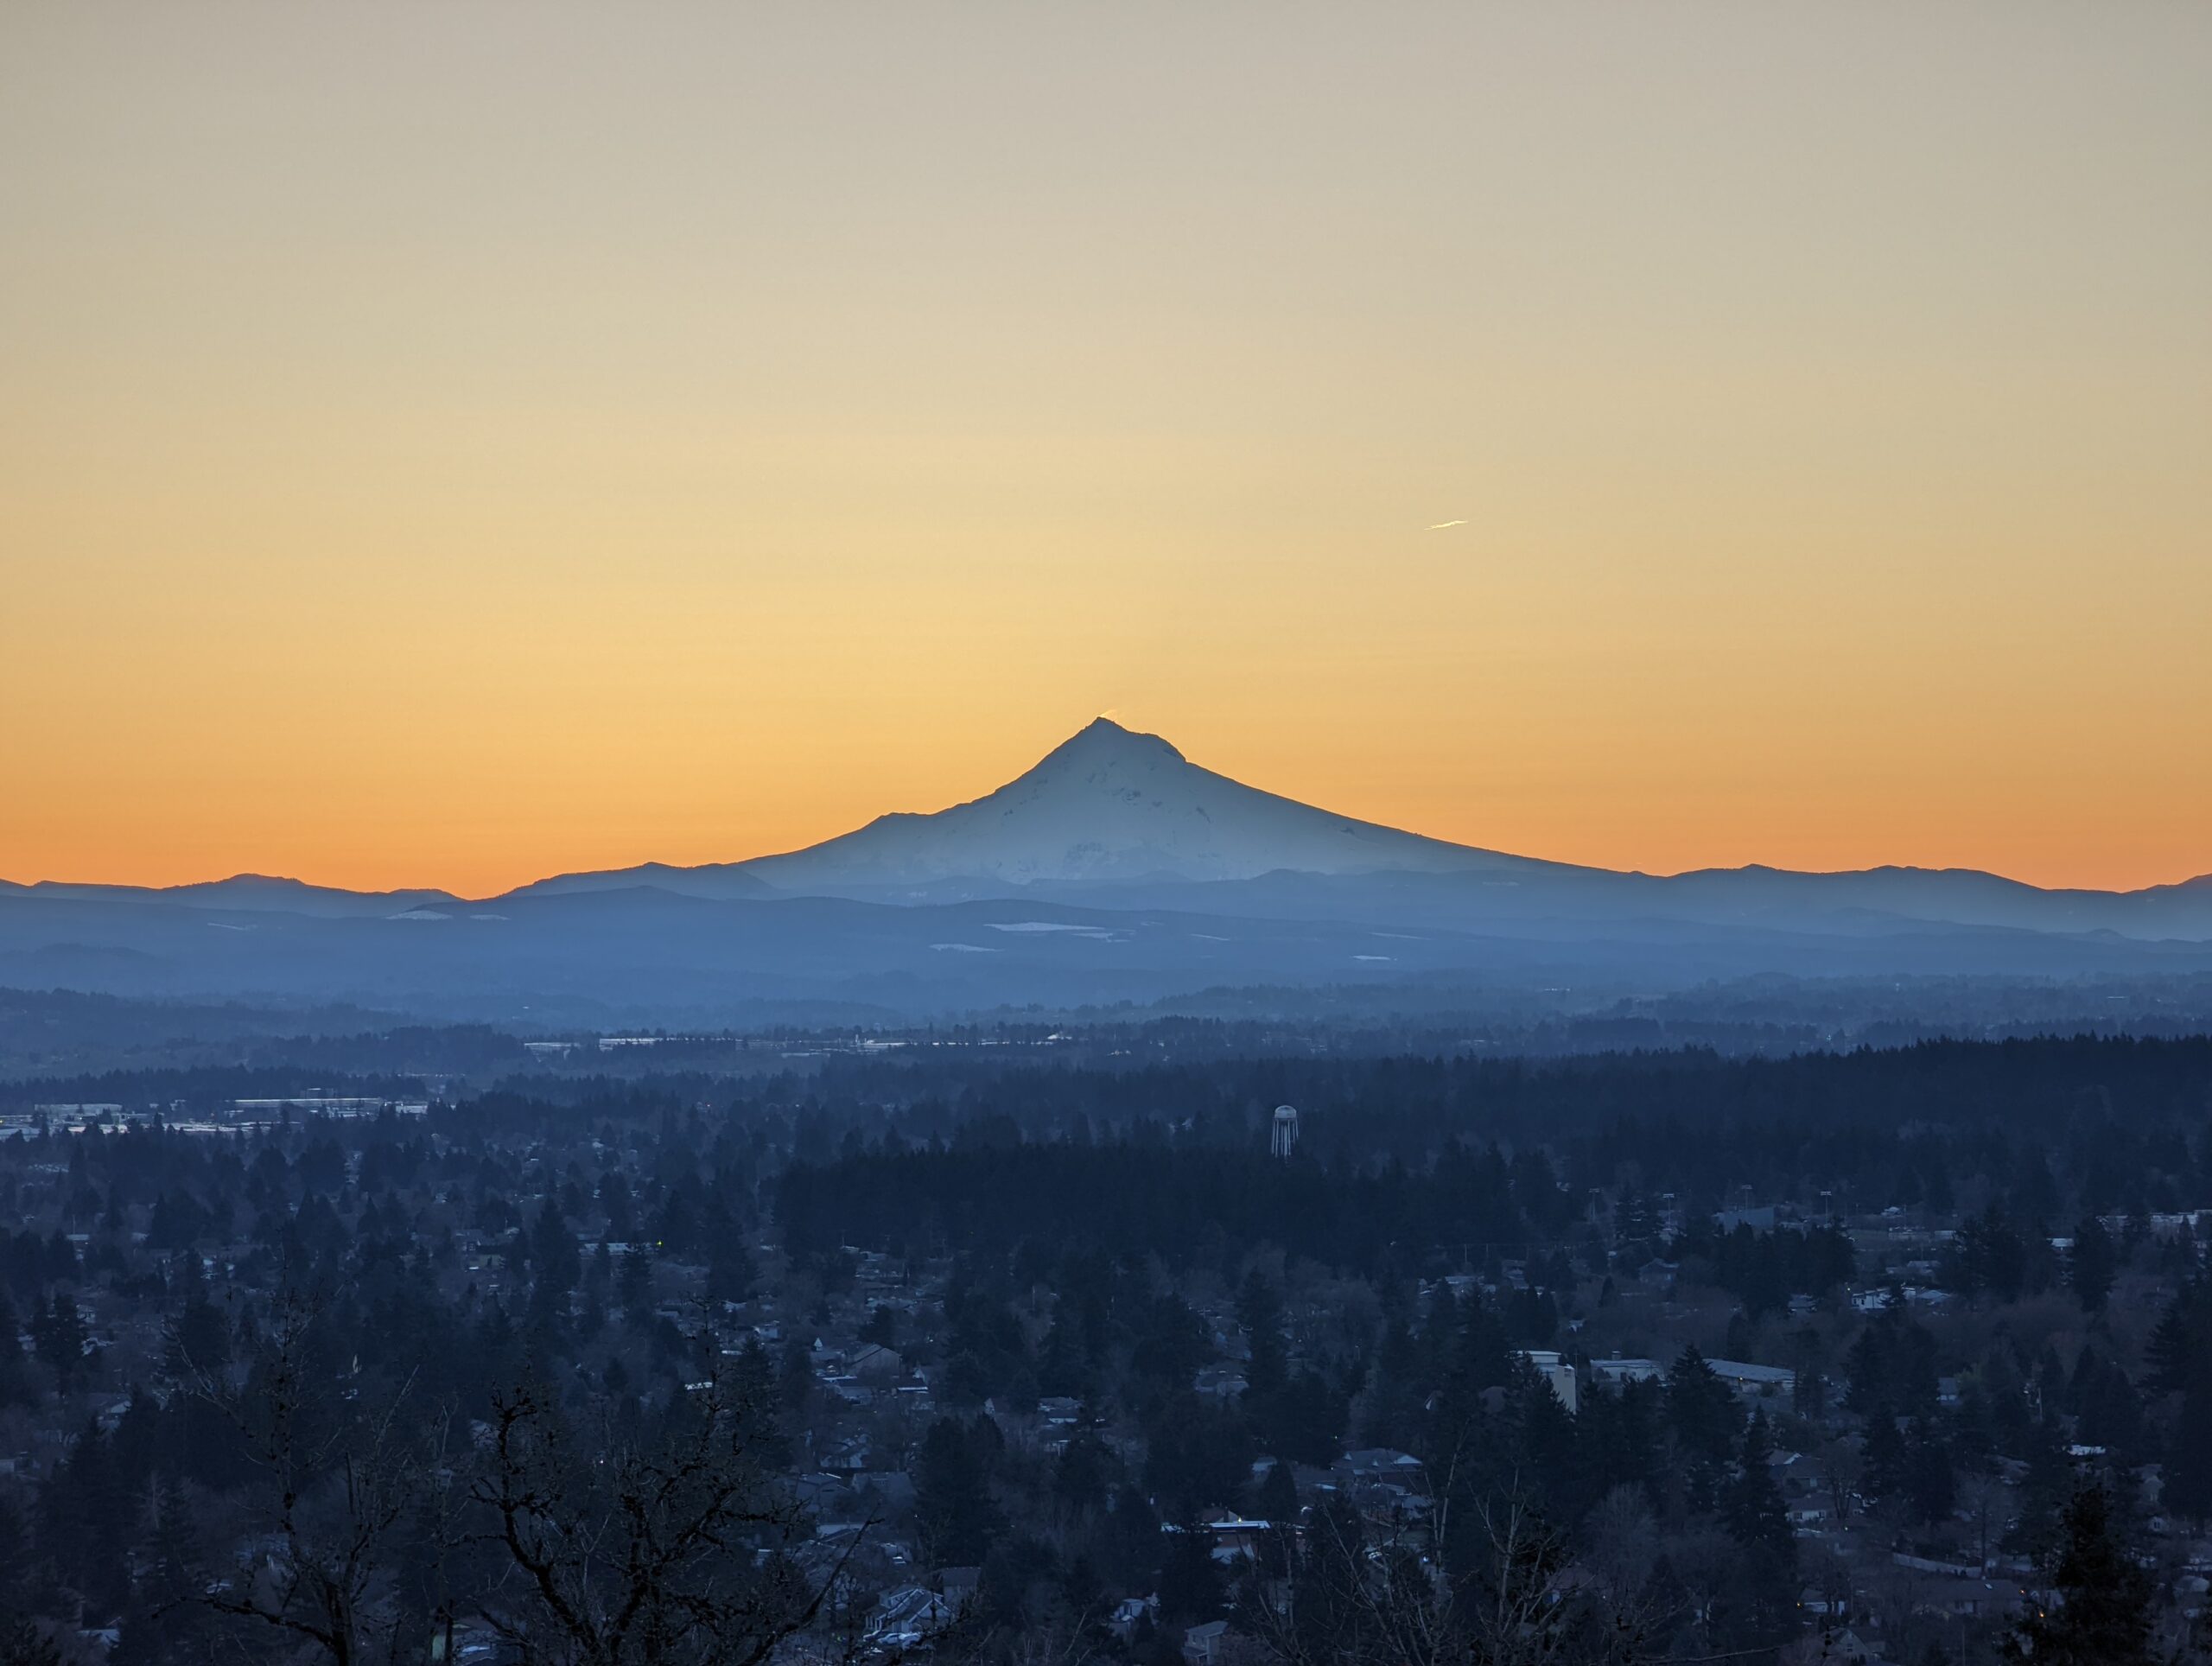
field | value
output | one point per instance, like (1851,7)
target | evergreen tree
(1987,1256)
(1700,1409)
(1081,1603)
(2042,1495)
(86,1515)
(15,1553)
(1275,1502)
(731,1273)
(1083,1478)
(2092,1264)
(166,1624)
(1302,1420)
(954,1509)
(1259,1310)
(882,1327)
(200,1342)
(1932,1481)
(2188,1489)
(2183,1339)
(557,1263)
(1129,1542)
(1885,1475)
(635,1285)
(2101,1612)
(1191,1586)
(15,1388)
(58,1334)
(1391,1406)
(1752,1505)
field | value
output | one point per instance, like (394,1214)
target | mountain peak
(1102,739)
(1107,804)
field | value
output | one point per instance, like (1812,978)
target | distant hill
(1115,869)
(250,893)
(727,882)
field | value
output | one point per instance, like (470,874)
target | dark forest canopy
(1498,1153)
(1972,1263)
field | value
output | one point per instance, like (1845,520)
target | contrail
(1441,525)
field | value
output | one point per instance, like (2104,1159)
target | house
(872,1362)
(1381,1463)
(1616,1373)
(1555,1370)
(1236,1538)
(1752,1382)
(1130,1613)
(1377,1478)
(1203,1645)
(909,1616)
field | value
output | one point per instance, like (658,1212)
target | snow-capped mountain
(1111,804)
(1115,870)
(1115,819)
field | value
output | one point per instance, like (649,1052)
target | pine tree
(2182,1338)
(58,1332)
(1752,1504)
(15,1388)
(14,1553)
(1275,1500)
(2092,1264)
(731,1273)
(1128,1542)
(2043,1495)
(953,1506)
(2101,1616)
(635,1284)
(1259,1310)
(1700,1409)
(1190,1578)
(2188,1490)
(1392,1404)
(165,1623)
(87,1512)
(1931,1478)
(1886,1470)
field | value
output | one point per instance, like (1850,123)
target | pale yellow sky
(452,444)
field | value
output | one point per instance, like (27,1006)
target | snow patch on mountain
(1111,804)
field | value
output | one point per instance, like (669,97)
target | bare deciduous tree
(1377,1589)
(671,1549)
(335,1479)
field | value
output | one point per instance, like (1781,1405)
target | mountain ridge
(1113,812)
(1112,869)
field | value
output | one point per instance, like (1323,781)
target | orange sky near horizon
(450,446)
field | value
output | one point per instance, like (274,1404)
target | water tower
(1282,1139)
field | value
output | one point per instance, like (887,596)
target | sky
(447,445)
